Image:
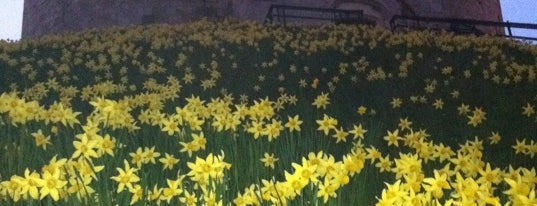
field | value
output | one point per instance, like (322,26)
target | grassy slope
(245,51)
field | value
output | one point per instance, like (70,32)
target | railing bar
(469,21)
(303,8)
(282,12)
(523,37)
(306,17)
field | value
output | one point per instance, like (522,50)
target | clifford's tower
(43,17)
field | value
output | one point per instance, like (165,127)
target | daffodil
(199,140)
(29,184)
(362,110)
(477,117)
(407,164)
(393,137)
(106,144)
(174,188)
(384,164)
(51,184)
(517,187)
(442,152)
(490,176)
(85,148)
(149,155)
(80,187)
(54,165)
(394,193)
(326,124)
(463,109)
(353,163)
(326,190)
(436,185)
(137,193)
(273,130)
(268,160)
(373,154)
(438,104)
(321,101)
(188,199)
(340,135)
(396,102)
(41,140)
(255,128)
(520,147)
(293,123)
(202,170)
(11,188)
(188,147)
(126,177)
(306,172)
(528,110)
(154,195)
(170,126)
(358,131)
(137,158)
(494,138)
(168,161)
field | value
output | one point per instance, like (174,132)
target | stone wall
(55,16)
(40,17)
(487,10)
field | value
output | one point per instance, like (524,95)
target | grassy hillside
(220,113)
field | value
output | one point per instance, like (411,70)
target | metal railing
(282,13)
(458,26)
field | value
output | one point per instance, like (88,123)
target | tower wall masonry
(43,17)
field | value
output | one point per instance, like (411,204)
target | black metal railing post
(284,16)
(509,29)
(268,17)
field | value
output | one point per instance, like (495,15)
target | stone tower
(56,16)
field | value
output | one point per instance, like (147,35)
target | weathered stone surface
(488,10)
(56,16)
